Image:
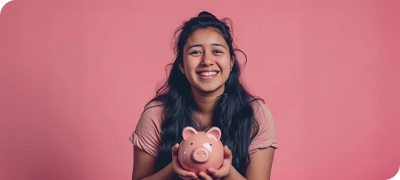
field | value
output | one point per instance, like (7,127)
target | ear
(188,131)
(232,61)
(181,68)
(214,132)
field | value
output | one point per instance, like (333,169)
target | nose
(200,155)
(208,59)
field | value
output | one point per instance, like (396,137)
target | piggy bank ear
(214,133)
(188,131)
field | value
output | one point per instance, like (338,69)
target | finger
(175,152)
(220,173)
(216,174)
(184,173)
(175,148)
(188,178)
(177,166)
(227,152)
(204,176)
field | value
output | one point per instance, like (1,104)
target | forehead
(205,36)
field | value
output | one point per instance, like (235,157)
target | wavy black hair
(233,113)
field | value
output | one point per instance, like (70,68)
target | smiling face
(206,61)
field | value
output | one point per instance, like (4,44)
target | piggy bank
(201,150)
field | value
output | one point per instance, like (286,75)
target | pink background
(75,76)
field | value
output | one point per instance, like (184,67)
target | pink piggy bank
(201,150)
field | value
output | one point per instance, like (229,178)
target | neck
(206,101)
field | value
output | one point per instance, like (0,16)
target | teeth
(208,73)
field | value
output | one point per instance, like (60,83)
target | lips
(207,73)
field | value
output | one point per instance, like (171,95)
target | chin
(210,89)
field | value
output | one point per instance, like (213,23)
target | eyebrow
(213,44)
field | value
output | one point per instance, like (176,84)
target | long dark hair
(233,113)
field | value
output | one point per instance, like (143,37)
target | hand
(221,172)
(177,165)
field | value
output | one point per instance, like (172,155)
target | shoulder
(153,106)
(262,114)
(147,134)
(152,115)
(152,111)
(265,131)
(259,107)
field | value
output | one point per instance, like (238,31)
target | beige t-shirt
(147,135)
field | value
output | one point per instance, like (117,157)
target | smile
(207,73)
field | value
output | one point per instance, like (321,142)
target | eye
(191,144)
(217,51)
(195,52)
(210,144)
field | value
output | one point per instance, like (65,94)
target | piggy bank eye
(191,144)
(210,144)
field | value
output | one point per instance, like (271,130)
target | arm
(147,139)
(143,168)
(261,164)
(258,169)
(261,149)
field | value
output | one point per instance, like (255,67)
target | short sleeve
(266,136)
(147,134)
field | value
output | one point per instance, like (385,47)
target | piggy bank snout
(200,155)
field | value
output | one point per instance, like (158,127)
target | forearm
(234,175)
(166,173)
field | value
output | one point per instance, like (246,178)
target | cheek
(225,63)
(190,63)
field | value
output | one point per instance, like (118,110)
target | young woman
(204,90)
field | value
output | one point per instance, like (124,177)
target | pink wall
(76,74)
